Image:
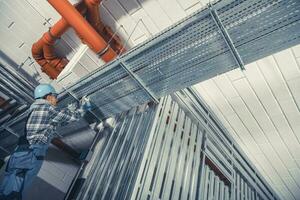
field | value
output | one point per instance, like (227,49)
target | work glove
(85,104)
(72,107)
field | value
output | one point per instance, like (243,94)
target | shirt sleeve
(62,117)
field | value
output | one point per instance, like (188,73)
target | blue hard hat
(42,90)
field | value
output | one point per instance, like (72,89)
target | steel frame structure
(176,149)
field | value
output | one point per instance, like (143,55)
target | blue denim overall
(21,169)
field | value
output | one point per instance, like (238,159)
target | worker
(26,161)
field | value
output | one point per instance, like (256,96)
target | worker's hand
(85,104)
(72,107)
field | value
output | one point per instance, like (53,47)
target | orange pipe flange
(83,29)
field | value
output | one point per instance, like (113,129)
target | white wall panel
(248,120)
(204,2)
(296,51)
(176,13)
(187,4)
(272,107)
(294,86)
(131,6)
(265,102)
(223,81)
(195,8)
(17,10)
(263,121)
(45,10)
(121,17)
(269,170)
(294,187)
(284,59)
(212,90)
(146,25)
(235,74)
(10,46)
(156,13)
(285,193)
(281,92)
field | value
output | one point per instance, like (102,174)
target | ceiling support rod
(138,81)
(131,73)
(226,37)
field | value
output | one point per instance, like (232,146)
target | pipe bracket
(103,51)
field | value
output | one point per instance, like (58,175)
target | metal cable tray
(201,46)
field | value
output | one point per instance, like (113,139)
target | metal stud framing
(174,150)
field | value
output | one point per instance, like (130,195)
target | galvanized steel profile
(174,150)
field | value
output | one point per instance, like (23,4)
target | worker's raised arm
(70,114)
(58,117)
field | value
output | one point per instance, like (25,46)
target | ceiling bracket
(138,81)
(226,37)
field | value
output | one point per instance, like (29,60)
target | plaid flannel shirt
(44,119)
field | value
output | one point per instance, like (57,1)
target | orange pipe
(38,55)
(43,50)
(56,32)
(59,28)
(116,42)
(62,25)
(93,17)
(49,54)
(43,53)
(83,29)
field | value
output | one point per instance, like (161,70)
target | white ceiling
(259,106)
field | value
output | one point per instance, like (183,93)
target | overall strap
(23,143)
